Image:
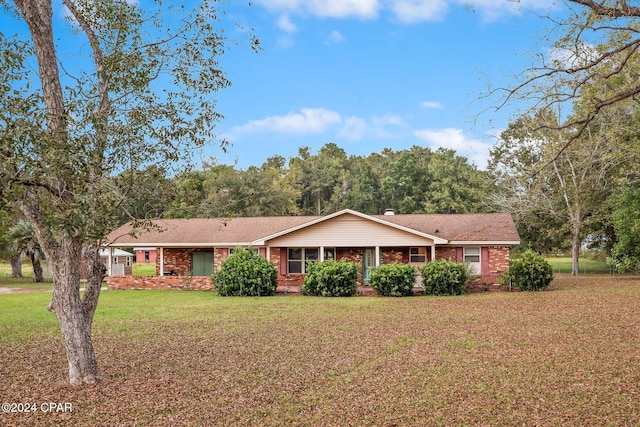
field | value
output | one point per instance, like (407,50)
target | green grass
(5,269)
(195,358)
(26,282)
(144,269)
(25,317)
(586,266)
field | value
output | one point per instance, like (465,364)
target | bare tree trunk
(37,266)
(74,314)
(319,203)
(16,265)
(76,331)
(575,253)
(575,248)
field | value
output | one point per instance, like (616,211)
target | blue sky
(370,74)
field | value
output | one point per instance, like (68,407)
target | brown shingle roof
(230,231)
(205,231)
(461,227)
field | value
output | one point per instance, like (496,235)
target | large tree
(625,254)
(116,88)
(590,43)
(321,178)
(564,187)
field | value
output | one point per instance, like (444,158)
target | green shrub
(246,273)
(330,279)
(393,280)
(530,272)
(444,278)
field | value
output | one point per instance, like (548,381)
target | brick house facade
(190,250)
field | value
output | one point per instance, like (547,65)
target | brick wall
(179,260)
(498,259)
(390,255)
(498,262)
(176,260)
(446,253)
(199,283)
(286,282)
(219,255)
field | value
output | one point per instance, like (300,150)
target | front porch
(191,268)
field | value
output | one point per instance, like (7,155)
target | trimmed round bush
(393,280)
(246,273)
(444,277)
(330,279)
(530,272)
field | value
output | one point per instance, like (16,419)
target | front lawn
(566,356)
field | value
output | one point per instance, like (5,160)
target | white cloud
(431,105)
(412,11)
(492,10)
(307,121)
(388,126)
(566,58)
(404,11)
(354,129)
(319,121)
(334,37)
(344,8)
(358,128)
(387,120)
(365,9)
(475,150)
(285,24)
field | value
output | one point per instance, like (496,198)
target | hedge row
(245,273)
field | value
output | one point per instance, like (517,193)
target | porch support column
(433,252)
(377,256)
(109,260)
(321,254)
(161,261)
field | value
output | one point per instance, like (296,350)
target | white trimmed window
(472,259)
(297,258)
(294,261)
(329,253)
(128,261)
(418,255)
(115,260)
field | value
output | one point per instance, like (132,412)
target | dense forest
(579,197)
(417,180)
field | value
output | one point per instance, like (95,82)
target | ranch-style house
(190,250)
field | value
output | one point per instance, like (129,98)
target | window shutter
(262,252)
(283,261)
(459,254)
(484,261)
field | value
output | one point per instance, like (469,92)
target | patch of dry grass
(566,356)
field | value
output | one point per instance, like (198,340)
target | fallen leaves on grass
(568,356)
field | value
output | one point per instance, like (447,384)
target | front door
(368,263)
